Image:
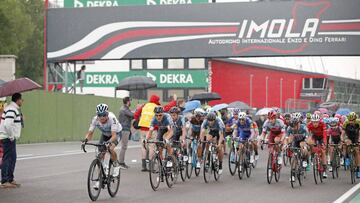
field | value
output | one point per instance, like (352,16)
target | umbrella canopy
(136,83)
(17,86)
(206,96)
(192,105)
(343,111)
(239,105)
(323,110)
(218,107)
(263,111)
(2,82)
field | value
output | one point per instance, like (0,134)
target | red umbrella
(17,86)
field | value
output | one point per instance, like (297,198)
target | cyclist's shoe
(330,169)
(96,185)
(123,166)
(304,164)
(169,164)
(220,171)
(198,165)
(252,159)
(257,157)
(324,175)
(358,174)
(279,160)
(341,161)
(292,179)
(190,160)
(185,158)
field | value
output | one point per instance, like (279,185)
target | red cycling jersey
(319,131)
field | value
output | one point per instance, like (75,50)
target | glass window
(180,93)
(155,64)
(306,83)
(318,83)
(198,63)
(175,63)
(156,92)
(136,64)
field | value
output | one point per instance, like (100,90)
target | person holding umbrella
(10,131)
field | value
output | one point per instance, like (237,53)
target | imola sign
(282,28)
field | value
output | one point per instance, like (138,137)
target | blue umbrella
(218,107)
(192,105)
(343,111)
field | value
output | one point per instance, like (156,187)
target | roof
(8,56)
(259,65)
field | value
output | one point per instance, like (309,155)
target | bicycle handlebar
(94,144)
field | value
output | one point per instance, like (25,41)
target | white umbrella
(263,111)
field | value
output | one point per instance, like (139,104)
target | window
(156,92)
(180,93)
(155,64)
(318,83)
(136,64)
(197,63)
(306,83)
(175,63)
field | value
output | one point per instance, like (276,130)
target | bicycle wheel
(215,168)
(352,169)
(171,172)
(293,171)
(269,171)
(320,170)
(113,183)
(277,169)
(285,157)
(255,161)
(248,164)
(182,169)
(207,166)
(232,161)
(334,164)
(315,169)
(95,179)
(155,173)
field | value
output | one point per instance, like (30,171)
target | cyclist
(287,117)
(179,128)
(318,132)
(334,134)
(110,129)
(162,124)
(196,122)
(308,118)
(276,129)
(350,135)
(215,128)
(297,134)
(228,126)
(245,131)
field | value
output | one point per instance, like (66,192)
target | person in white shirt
(10,131)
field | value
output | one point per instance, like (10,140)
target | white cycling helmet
(199,112)
(242,115)
(315,117)
(102,109)
(297,115)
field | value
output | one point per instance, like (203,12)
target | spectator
(10,131)
(81,77)
(144,115)
(125,118)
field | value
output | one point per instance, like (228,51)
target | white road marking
(134,161)
(347,194)
(24,155)
(65,153)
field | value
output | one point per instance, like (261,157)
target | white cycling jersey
(112,125)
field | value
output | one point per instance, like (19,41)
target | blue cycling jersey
(244,131)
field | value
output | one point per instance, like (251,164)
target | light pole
(294,93)
(281,82)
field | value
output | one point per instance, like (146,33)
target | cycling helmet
(352,116)
(315,117)
(333,122)
(236,111)
(287,115)
(199,112)
(308,115)
(102,109)
(297,115)
(294,122)
(242,115)
(211,116)
(276,109)
(175,109)
(337,116)
(159,109)
(272,114)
